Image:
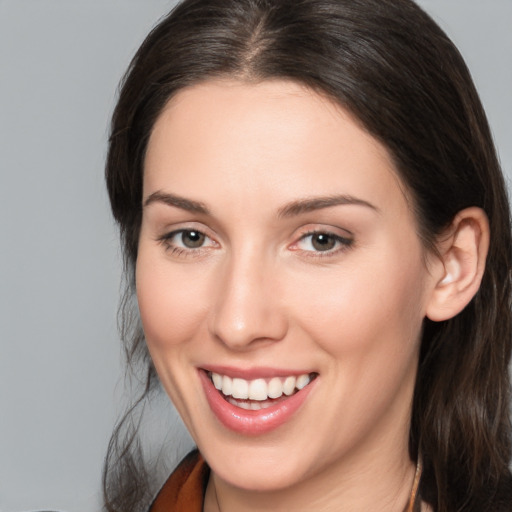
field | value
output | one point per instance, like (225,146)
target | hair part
(389,65)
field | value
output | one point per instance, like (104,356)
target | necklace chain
(415,485)
(412,496)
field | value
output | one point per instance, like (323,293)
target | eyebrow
(177,201)
(292,209)
(318,203)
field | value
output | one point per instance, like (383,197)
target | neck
(378,484)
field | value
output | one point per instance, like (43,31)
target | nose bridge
(247,306)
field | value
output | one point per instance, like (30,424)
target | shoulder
(184,490)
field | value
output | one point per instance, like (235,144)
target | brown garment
(184,490)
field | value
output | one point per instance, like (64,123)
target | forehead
(279,138)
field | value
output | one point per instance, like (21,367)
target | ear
(458,272)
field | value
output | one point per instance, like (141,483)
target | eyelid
(176,232)
(166,239)
(344,242)
(168,229)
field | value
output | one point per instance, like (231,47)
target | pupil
(323,242)
(192,239)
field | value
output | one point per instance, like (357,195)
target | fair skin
(277,241)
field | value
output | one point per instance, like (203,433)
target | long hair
(400,76)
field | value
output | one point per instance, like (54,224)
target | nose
(247,309)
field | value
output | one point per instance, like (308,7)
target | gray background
(60,377)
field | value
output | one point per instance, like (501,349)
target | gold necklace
(415,486)
(412,496)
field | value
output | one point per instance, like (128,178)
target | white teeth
(302,381)
(227,385)
(242,405)
(275,388)
(258,389)
(217,380)
(240,389)
(253,406)
(289,386)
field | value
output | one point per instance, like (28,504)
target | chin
(268,466)
(260,477)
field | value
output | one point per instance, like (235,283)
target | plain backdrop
(60,373)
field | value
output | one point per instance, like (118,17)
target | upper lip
(256,372)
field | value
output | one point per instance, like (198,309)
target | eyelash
(166,241)
(343,244)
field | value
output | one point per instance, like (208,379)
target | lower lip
(249,422)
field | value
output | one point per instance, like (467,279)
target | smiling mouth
(259,393)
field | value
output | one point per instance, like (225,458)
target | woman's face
(278,252)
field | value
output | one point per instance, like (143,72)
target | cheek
(170,303)
(370,307)
(368,326)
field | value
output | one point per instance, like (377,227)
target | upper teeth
(259,389)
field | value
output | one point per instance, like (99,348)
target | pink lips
(249,422)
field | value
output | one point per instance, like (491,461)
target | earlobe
(458,272)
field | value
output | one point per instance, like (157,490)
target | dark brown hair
(396,71)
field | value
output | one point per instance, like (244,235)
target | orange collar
(184,490)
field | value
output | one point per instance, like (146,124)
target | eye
(186,240)
(191,239)
(321,241)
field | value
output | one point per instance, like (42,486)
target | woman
(317,232)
